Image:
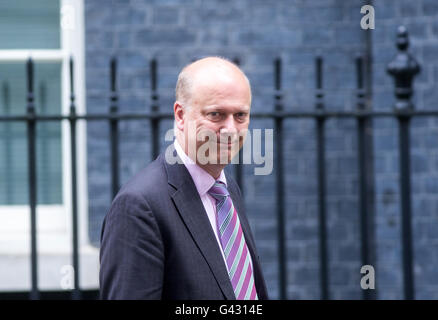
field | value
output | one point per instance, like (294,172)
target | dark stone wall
(255,31)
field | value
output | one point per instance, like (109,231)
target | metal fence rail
(403,68)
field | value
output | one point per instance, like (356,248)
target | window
(30,25)
(13,136)
(27,24)
(48,31)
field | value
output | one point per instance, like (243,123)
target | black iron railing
(403,69)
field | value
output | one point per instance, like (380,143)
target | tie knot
(218,190)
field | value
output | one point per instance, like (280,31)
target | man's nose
(229,124)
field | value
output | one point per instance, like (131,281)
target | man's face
(219,108)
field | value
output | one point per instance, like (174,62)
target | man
(179,230)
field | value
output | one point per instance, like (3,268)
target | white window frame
(54,222)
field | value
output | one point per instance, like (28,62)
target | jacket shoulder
(148,182)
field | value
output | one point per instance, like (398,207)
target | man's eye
(241,115)
(214,115)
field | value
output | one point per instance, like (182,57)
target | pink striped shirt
(203,182)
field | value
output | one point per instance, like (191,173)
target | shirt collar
(202,179)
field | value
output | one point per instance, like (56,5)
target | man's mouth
(228,143)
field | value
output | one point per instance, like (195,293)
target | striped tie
(233,244)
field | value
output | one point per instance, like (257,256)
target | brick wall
(256,31)
(420,17)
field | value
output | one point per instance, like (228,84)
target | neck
(213,169)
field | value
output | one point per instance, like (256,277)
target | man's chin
(225,158)
(225,152)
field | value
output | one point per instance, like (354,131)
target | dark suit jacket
(157,241)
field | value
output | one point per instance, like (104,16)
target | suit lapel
(192,212)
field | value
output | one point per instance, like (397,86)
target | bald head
(213,103)
(210,71)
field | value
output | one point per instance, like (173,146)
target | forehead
(221,99)
(220,90)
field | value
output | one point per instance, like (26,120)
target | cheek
(191,124)
(243,125)
(195,126)
(206,131)
(206,125)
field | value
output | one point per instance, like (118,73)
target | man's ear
(179,114)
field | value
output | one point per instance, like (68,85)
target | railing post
(320,124)
(7,174)
(154,110)
(31,146)
(282,263)
(114,129)
(239,166)
(366,209)
(44,136)
(76,294)
(404,68)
